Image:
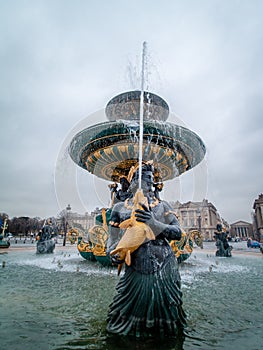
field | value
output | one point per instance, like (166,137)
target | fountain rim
(76,152)
(132,125)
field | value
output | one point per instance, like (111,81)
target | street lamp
(199,219)
(65,224)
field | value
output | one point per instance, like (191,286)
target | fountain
(79,321)
(137,131)
(110,149)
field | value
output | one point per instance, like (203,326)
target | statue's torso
(150,256)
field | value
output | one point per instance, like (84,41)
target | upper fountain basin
(126,106)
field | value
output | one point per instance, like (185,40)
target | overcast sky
(62,61)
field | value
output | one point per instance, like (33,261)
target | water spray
(144,49)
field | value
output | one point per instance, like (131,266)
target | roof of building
(241,223)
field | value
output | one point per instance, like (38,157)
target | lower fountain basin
(109,149)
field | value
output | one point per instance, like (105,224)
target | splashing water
(141,116)
(60,301)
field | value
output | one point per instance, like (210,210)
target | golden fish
(136,233)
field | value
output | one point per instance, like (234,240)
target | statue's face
(147,181)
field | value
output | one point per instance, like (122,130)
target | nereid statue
(223,247)
(149,298)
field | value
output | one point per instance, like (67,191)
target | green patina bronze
(3,242)
(148,300)
(109,149)
(126,106)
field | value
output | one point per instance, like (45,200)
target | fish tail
(119,269)
(114,251)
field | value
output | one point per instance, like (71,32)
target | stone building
(76,220)
(202,216)
(258,218)
(86,221)
(241,229)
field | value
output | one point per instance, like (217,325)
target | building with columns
(258,218)
(241,229)
(201,216)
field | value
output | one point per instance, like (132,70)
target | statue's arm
(113,239)
(114,231)
(173,231)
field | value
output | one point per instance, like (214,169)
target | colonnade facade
(241,229)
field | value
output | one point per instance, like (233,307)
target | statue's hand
(145,215)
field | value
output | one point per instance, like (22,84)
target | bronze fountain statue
(45,241)
(223,247)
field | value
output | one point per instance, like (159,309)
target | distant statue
(122,194)
(113,189)
(3,242)
(223,247)
(45,243)
(46,233)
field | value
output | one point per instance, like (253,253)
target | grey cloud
(61,61)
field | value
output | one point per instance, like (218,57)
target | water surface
(60,301)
